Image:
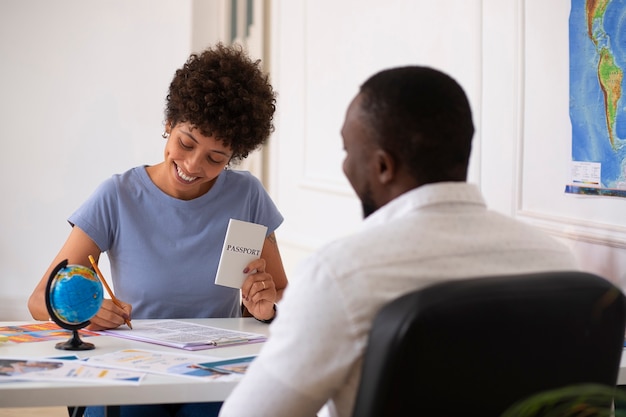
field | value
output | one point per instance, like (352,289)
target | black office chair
(474,347)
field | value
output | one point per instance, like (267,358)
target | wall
(512,59)
(593,226)
(83,84)
(83,88)
(319,59)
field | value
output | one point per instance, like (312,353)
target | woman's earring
(165,134)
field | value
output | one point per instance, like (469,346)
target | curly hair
(224,94)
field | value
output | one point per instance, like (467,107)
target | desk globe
(73,297)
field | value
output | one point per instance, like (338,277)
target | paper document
(156,362)
(183,335)
(30,369)
(37,332)
(228,366)
(243,243)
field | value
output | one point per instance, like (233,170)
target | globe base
(75,343)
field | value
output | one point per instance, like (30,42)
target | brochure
(37,332)
(156,362)
(32,369)
(229,366)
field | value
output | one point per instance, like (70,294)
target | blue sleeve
(262,209)
(97,215)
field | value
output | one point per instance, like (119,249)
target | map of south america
(610,75)
(597,107)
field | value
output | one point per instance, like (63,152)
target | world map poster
(597,42)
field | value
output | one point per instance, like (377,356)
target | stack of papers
(184,335)
(124,366)
(131,365)
(185,365)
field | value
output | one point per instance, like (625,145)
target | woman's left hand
(259,291)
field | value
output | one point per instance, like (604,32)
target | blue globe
(75,294)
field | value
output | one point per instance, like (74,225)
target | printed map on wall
(597,37)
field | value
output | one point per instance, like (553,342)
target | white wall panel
(83,93)
(323,51)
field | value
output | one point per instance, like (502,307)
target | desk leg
(112,411)
(76,411)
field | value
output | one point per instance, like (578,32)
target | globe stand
(75,342)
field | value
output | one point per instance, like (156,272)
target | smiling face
(192,163)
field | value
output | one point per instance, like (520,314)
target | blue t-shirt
(164,251)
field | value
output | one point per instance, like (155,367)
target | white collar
(425,195)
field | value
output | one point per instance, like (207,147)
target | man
(407,137)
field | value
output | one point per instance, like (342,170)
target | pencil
(106,286)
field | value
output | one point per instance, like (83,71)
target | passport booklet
(243,243)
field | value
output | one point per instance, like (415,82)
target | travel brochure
(38,332)
(31,369)
(156,362)
(125,366)
(229,366)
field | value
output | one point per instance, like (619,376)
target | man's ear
(386,166)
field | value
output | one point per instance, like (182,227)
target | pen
(106,286)
(228,341)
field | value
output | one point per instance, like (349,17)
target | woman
(163,226)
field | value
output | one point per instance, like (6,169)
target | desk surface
(164,388)
(167,389)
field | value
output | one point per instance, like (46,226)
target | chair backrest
(474,347)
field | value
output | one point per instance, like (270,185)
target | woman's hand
(110,316)
(259,291)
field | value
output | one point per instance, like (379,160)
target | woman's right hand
(110,316)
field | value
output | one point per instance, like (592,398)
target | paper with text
(156,362)
(183,335)
(31,369)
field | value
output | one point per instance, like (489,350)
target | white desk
(152,389)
